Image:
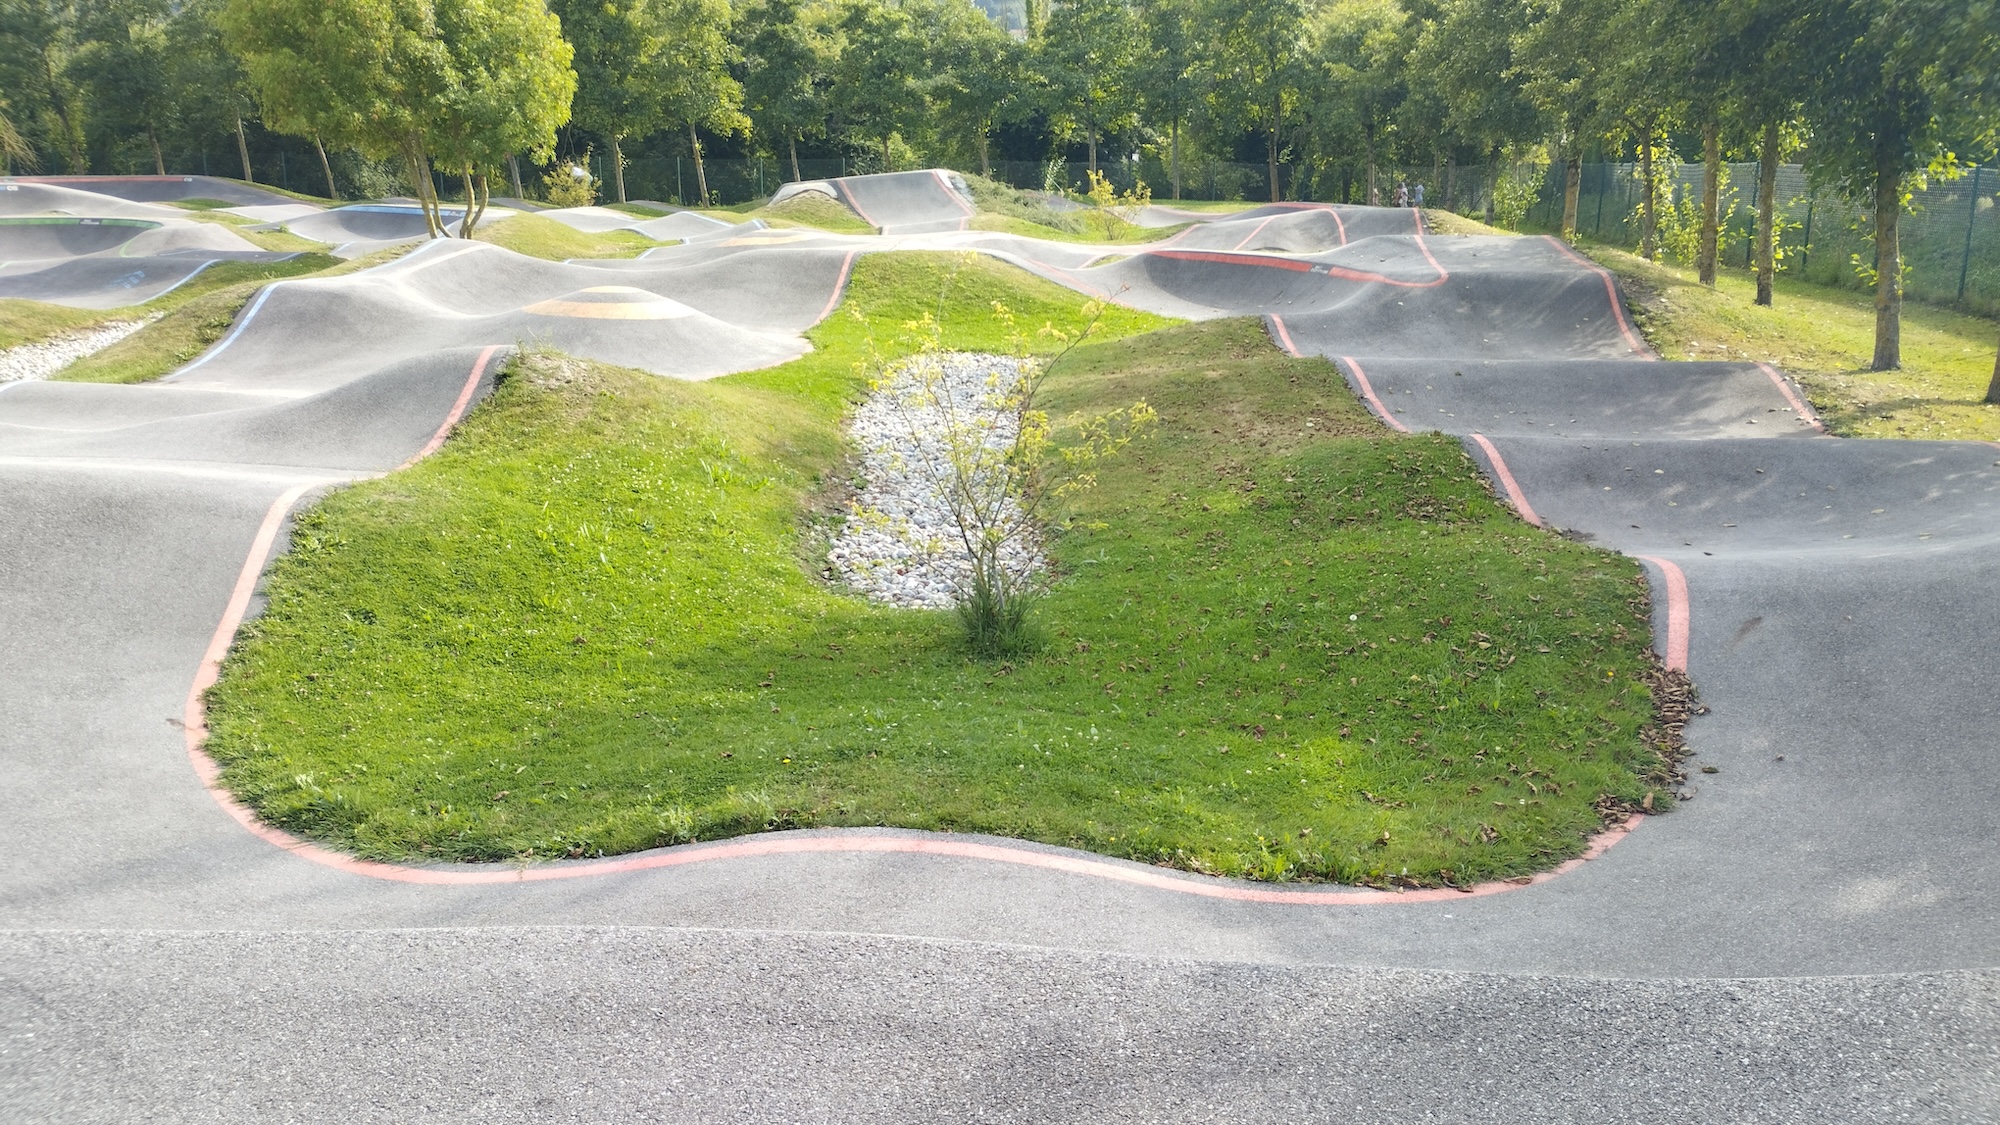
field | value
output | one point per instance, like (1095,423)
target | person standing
(1417,199)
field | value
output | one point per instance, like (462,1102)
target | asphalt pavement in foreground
(1813,937)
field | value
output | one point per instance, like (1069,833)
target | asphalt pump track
(1812,937)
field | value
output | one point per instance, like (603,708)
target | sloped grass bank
(1285,643)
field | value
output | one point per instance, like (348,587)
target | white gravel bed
(39,361)
(901,543)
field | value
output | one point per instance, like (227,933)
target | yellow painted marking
(616,302)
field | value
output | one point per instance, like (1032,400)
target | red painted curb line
(1632,338)
(1514,493)
(841,185)
(1284,336)
(839,286)
(1294,265)
(1257,230)
(1804,411)
(1676,654)
(1368,392)
(457,408)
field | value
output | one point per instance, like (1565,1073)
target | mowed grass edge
(1284,644)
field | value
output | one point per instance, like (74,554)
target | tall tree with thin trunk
(787,72)
(877,89)
(122,65)
(1087,55)
(1358,49)
(1169,75)
(453,84)
(1260,68)
(1880,111)
(621,79)
(700,93)
(1566,59)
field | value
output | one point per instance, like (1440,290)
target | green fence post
(1971,216)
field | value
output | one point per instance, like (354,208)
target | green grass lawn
(1089,226)
(1284,644)
(1821,335)
(538,237)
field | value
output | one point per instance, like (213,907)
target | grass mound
(1286,643)
(808,209)
(540,237)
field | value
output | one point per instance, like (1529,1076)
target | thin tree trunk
(985,161)
(617,167)
(1451,186)
(1271,153)
(1888,266)
(74,157)
(469,220)
(1767,214)
(1176,150)
(326,166)
(420,182)
(794,143)
(159,163)
(1993,388)
(1649,223)
(701,173)
(1711,202)
(1091,134)
(514,174)
(243,152)
(886,166)
(1572,191)
(479,216)
(1368,144)
(1493,184)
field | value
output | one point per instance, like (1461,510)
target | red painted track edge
(1632,338)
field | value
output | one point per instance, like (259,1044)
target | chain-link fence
(1950,236)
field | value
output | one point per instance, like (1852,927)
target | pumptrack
(1813,937)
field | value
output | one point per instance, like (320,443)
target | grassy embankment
(1822,336)
(1285,643)
(538,237)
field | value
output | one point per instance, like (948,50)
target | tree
(37,43)
(787,71)
(975,72)
(465,81)
(1563,55)
(1466,55)
(1087,54)
(877,87)
(1260,66)
(123,67)
(211,92)
(512,89)
(1169,76)
(1360,53)
(620,78)
(699,91)
(1879,112)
